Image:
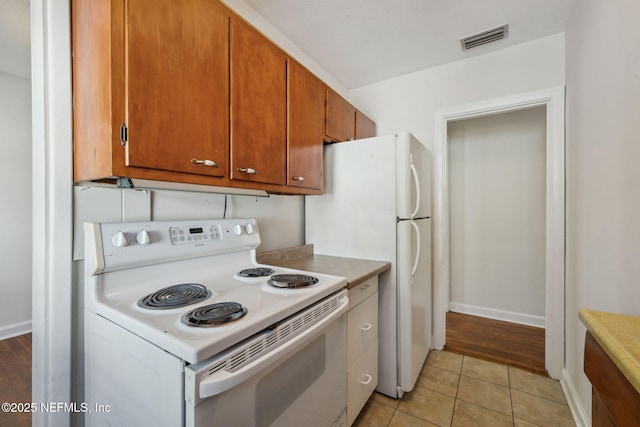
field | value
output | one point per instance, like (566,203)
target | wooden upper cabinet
(177,86)
(258,107)
(340,118)
(189,92)
(365,127)
(160,68)
(306,96)
(344,122)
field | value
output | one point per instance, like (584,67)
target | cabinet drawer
(362,379)
(362,291)
(362,328)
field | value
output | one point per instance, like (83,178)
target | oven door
(294,373)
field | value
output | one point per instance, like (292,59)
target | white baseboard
(14,330)
(580,415)
(492,313)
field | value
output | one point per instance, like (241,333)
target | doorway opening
(553,318)
(497,202)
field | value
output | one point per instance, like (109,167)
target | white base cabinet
(362,346)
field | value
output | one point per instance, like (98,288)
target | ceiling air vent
(485,37)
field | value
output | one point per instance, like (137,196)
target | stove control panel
(113,246)
(186,235)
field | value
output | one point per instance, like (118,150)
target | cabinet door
(305,124)
(362,328)
(340,118)
(258,107)
(177,102)
(362,380)
(365,127)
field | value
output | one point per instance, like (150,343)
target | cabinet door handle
(297,178)
(367,326)
(367,381)
(209,163)
(250,171)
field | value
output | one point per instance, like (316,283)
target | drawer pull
(250,171)
(367,326)
(297,178)
(367,381)
(209,163)
(365,287)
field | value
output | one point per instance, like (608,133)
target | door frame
(553,100)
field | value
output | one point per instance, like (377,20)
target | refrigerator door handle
(414,172)
(415,262)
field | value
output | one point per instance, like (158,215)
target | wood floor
(502,342)
(15,378)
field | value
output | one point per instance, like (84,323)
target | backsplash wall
(280,218)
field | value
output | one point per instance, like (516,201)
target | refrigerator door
(414,299)
(413,174)
(355,217)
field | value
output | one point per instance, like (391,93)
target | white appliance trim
(553,100)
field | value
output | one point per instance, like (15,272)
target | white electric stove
(168,303)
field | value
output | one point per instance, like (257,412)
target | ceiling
(361,42)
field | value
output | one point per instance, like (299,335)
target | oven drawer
(362,379)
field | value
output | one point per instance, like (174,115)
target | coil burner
(292,281)
(175,296)
(217,314)
(256,272)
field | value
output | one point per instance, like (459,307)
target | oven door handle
(222,380)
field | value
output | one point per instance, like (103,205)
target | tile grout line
(513,415)
(455,399)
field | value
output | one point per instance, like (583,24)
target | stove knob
(143,237)
(120,240)
(237,229)
(249,228)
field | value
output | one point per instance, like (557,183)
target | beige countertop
(619,337)
(354,270)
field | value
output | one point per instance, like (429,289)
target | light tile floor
(462,391)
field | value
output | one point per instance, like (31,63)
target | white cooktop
(118,276)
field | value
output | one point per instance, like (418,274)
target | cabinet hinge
(124,134)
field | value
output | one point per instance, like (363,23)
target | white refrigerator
(377,205)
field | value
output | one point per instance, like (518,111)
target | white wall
(497,200)
(603,176)
(15,205)
(408,103)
